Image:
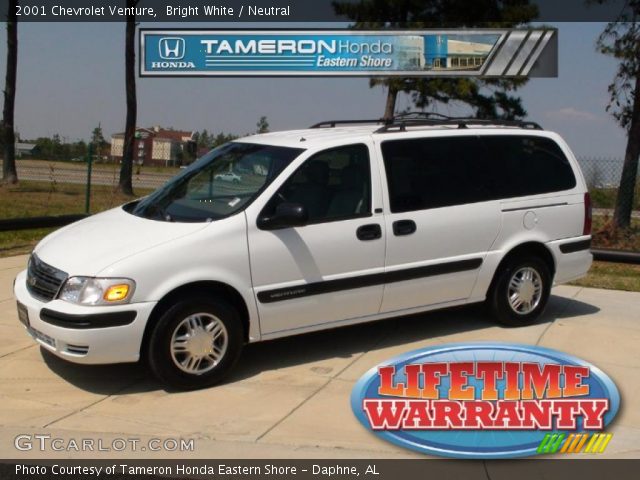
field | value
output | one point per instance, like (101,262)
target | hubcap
(199,343)
(525,291)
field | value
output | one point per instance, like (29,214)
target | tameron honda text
(483,400)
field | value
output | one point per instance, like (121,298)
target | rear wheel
(521,291)
(195,343)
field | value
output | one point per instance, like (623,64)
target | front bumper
(89,335)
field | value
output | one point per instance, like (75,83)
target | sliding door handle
(404,227)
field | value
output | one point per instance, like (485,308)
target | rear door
(439,222)
(329,270)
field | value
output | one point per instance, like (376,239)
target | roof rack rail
(401,121)
(334,123)
(401,124)
(422,115)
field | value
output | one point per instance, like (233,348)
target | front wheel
(195,343)
(521,291)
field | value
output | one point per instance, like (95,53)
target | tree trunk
(624,199)
(9,173)
(390,107)
(126,169)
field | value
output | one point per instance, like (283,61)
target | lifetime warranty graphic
(486,53)
(488,401)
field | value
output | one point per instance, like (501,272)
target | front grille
(43,280)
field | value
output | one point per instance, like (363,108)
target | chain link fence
(53,188)
(106,174)
(602,175)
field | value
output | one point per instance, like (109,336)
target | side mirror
(287,215)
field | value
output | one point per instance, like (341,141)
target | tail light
(588,218)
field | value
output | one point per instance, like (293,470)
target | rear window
(438,172)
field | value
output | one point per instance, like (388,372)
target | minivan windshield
(217,185)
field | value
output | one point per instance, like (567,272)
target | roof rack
(401,121)
(416,119)
(334,123)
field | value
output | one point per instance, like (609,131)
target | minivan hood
(89,246)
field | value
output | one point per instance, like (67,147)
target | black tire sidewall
(500,307)
(159,354)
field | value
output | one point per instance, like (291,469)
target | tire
(195,343)
(524,280)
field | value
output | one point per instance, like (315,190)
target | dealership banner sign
(488,400)
(483,52)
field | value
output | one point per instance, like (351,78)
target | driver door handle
(369,232)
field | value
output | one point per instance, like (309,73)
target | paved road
(290,398)
(99,176)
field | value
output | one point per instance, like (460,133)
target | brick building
(154,146)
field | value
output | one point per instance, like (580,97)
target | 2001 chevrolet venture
(342,223)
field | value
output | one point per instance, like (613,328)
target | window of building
(455,62)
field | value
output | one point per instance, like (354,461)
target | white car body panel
(311,254)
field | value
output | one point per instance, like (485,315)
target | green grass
(606,197)
(612,276)
(33,199)
(21,241)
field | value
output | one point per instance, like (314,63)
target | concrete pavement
(289,398)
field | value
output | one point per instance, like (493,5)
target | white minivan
(342,223)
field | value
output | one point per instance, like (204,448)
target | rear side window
(528,165)
(438,172)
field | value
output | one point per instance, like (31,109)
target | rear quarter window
(424,173)
(528,165)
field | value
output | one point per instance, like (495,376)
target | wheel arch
(537,249)
(206,287)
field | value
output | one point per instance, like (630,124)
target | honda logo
(171,48)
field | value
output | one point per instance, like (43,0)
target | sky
(71,78)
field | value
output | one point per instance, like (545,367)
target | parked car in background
(229,177)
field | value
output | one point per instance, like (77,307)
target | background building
(443,52)
(24,149)
(155,146)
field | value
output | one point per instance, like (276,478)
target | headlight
(97,291)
